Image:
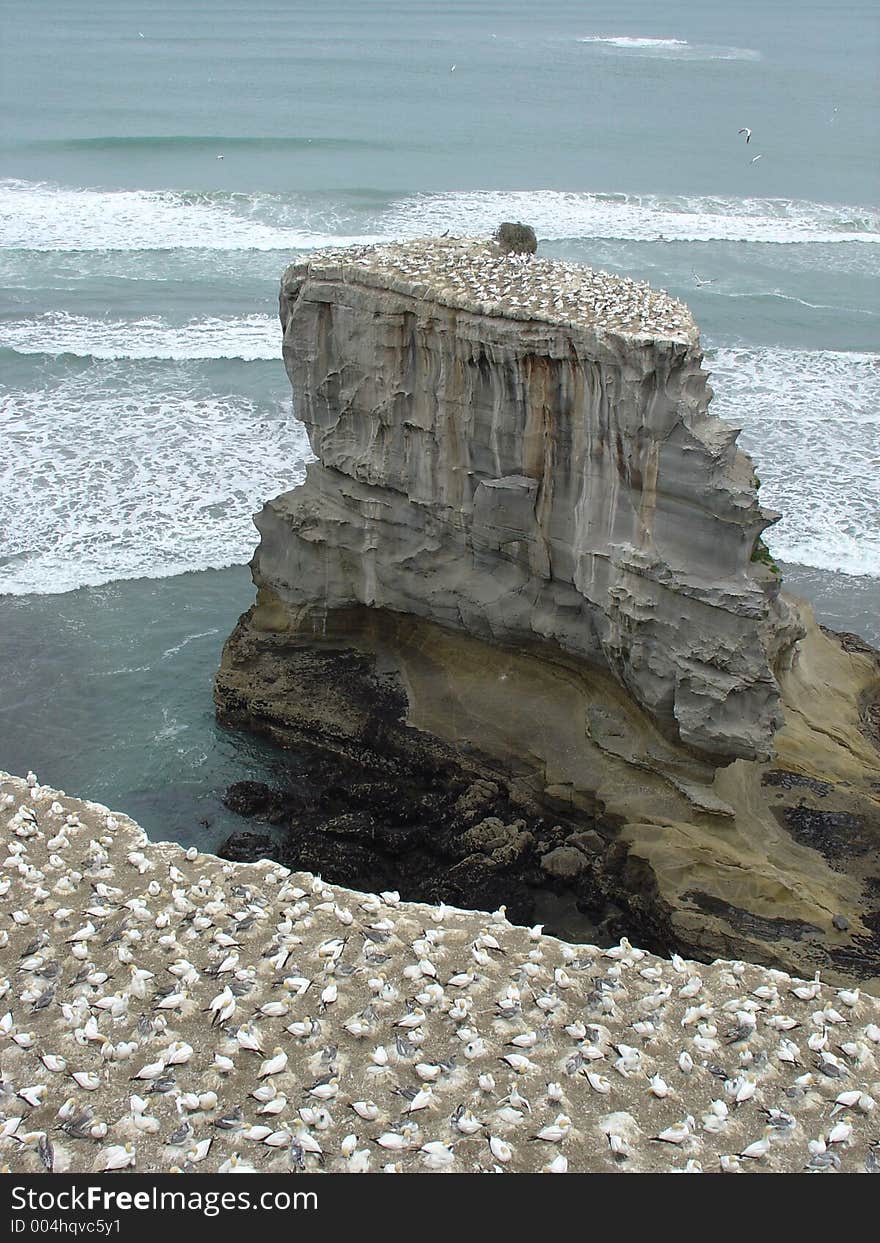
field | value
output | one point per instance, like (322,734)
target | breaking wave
(42,217)
(811,422)
(668,49)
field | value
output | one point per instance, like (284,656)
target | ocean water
(161,164)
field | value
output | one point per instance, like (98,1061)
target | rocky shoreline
(520,630)
(451,839)
(174,1012)
(528,561)
(774,862)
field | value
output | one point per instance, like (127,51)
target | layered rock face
(522,564)
(523,450)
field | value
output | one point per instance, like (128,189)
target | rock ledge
(174,1012)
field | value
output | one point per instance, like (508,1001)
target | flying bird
(745,130)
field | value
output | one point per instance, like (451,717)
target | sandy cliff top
(473,274)
(167,1010)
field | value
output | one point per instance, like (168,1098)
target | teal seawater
(159,167)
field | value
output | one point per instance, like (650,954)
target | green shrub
(516,238)
(763,554)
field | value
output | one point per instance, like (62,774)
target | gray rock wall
(523,475)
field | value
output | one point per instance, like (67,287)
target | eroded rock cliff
(513,615)
(523,449)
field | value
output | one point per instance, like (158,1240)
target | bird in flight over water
(745,130)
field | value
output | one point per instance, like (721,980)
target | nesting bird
(170,1012)
(472,274)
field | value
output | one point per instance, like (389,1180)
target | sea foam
(114,472)
(110,473)
(560,215)
(248,337)
(668,49)
(811,422)
(41,217)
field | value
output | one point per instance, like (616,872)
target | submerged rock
(246,798)
(247,847)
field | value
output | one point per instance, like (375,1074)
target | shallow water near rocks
(107,692)
(144,406)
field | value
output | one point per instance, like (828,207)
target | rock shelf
(476,276)
(164,1010)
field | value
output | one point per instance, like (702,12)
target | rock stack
(522,449)
(527,554)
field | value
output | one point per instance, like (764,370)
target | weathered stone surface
(498,467)
(523,564)
(564,862)
(695,856)
(589,841)
(492,836)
